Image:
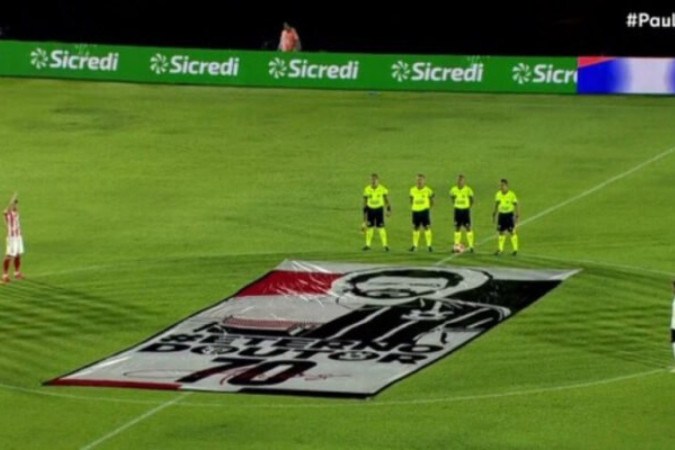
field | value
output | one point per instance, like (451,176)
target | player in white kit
(14,248)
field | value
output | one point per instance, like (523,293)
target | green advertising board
(295,70)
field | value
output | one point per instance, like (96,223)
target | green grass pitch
(142,204)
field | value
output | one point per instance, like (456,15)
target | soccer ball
(458,248)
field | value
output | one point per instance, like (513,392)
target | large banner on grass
(331,329)
(297,70)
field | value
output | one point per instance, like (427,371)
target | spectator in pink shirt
(289,41)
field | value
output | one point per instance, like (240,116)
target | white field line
(134,421)
(337,404)
(603,264)
(525,391)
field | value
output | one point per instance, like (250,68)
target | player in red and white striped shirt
(14,240)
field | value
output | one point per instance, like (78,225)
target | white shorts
(14,246)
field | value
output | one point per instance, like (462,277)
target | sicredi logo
(185,65)
(65,60)
(400,71)
(542,74)
(303,69)
(426,71)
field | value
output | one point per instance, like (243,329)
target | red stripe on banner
(585,61)
(112,383)
(281,282)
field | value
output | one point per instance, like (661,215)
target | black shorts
(421,218)
(506,222)
(463,218)
(375,217)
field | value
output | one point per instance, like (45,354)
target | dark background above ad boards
(349,26)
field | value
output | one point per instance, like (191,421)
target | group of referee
(376,205)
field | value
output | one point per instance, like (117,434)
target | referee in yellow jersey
(506,214)
(421,201)
(375,199)
(462,200)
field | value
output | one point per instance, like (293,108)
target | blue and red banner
(615,75)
